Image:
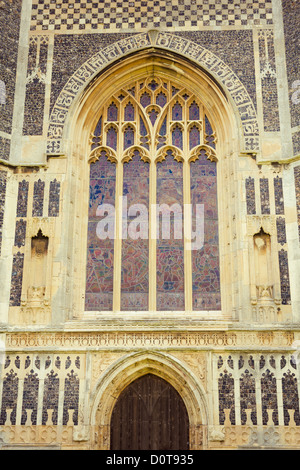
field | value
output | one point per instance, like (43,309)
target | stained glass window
(143,134)
(38,199)
(177,112)
(194,112)
(153,85)
(153,115)
(111,138)
(152,130)
(135,243)
(209,134)
(100,251)
(170,249)
(96,138)
(112,113)
(161,99)
(194,135)
(128,137)
(145,99)
(129,112)
(177,137)
(161,138)
(205,260)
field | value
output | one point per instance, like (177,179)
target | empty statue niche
(38,268)
(263,266)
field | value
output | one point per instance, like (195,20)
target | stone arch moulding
(129,368)
(237,93)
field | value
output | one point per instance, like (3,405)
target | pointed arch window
(153,152)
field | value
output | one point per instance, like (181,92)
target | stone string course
(151,339)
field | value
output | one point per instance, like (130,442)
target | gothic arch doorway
(149,415)
(128,370)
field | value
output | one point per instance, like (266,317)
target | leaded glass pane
(145,99)
(194,112)
(135,243)
(170,250)
(194,137)
(112,113)
(129,112)
(177,140)
(161,99)
(128,137)
(205,259)
(112,138)
(177,112)
(100,252)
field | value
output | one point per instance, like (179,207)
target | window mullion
(187,218)
(152,236)
(118,239)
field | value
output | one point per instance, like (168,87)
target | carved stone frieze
(149,339)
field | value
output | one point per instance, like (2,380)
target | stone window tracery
(153,146)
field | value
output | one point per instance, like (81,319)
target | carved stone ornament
(209,152)
(81,433)
(129,154)
(102,151)
(216,433)
(264,293)
(267,437)
(163,152)
(36,224)
(257,222)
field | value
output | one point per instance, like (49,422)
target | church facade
(149,224)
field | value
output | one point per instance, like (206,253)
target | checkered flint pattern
(63,15)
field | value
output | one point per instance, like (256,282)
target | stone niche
(35,302)
(264,275)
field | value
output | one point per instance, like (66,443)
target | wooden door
(149,415)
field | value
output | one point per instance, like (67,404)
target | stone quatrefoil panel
(203,57)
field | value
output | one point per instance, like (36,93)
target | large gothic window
(153,212)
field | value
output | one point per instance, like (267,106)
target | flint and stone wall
(244,365)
